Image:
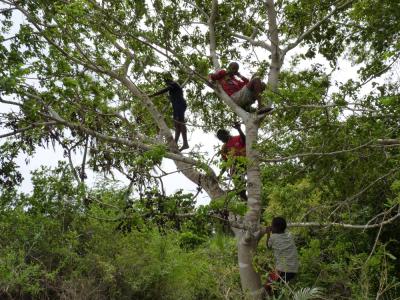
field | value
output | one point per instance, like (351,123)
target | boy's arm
(217,75)
(268,244)
(241,133)
(242,77)
(159,92)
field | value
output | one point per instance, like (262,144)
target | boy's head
(223,135)
(278,225)
(233,67)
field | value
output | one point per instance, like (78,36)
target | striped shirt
(285,252)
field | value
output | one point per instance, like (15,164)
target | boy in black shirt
(178,106)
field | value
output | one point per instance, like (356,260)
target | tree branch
(10,102)
(211,28)
(388,141)
(344,225)
(253,42)
(315,26)
(347,200)
(56,117)
(276,53)
(82,173)
(279,159)
(32,126)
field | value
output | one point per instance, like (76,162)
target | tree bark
(249,278)
(247,238)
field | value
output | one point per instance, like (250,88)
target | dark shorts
(179,112)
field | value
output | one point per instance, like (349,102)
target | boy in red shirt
(243,92)
(234,148)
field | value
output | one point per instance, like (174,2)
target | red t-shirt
(234,147)
(230,83)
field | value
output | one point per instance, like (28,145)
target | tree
(83,83)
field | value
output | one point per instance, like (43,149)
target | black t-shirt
(176,94)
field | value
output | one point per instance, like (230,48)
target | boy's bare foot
(184,147)
(264,110)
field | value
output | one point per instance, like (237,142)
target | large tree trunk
(249,278)
(247,237)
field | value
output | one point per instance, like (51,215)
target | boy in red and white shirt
(243,92)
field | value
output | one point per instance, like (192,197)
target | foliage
(329,152)
(59,247)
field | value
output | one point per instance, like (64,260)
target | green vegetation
(54,244)
(75,75)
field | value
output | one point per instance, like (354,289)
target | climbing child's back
(285,253)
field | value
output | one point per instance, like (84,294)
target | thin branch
(170,173)
(376,241)
(34,125)
(68,149)
(315,26)
(344,225)
(280,159)
(385,213)
(202,11)
(364,190)
(10,102)
(54,116)
(211,28)
(82,170)
(388,141)
(276,53)
(253,42)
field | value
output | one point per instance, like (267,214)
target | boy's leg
(180,119)
(244,98)
(184,137)
(177,113)
(257,87)
(286,276)
(177,130)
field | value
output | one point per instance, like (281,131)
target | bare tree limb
(280,159)
(388,141)
(82,172)
(211,28)
(56,117)
(32,126)
(68,152)
(10,102)
(276,53)
(345,225)
(253,42)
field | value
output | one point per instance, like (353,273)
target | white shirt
(285,252)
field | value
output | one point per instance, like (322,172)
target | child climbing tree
(74,79)
(178,107)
